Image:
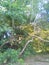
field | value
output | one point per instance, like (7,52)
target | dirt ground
(37,60)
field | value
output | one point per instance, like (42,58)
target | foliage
(20,20)
(10,55)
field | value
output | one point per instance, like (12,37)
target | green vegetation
(24,29)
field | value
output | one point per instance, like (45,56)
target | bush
(10,55)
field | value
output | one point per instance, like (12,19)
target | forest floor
(37,60)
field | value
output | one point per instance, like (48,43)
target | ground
(37,60)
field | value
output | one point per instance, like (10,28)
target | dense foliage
(24,29)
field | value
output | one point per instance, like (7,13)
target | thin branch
(25,47)
(41,38)
(4,44)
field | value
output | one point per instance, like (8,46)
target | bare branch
(4,44)
(25,46)
(41,38)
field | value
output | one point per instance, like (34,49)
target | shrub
(10,55)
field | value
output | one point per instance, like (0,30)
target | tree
(17,13)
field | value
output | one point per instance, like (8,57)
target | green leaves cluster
(10,55)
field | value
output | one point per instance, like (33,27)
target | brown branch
(41,38)
(4,44)
(25,47)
